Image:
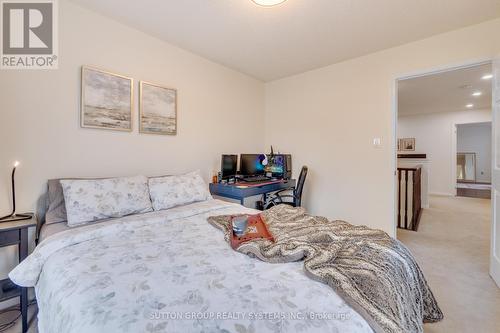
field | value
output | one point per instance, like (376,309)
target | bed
(139,254)
(171,271)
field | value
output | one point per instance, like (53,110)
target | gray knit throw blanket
(374,273)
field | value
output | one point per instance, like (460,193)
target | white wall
(327,118)
(219,110)
(476,138)
(434,136)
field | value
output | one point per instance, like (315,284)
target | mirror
(466,167)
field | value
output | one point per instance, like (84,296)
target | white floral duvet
(171,271)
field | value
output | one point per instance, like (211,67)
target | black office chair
(294,195)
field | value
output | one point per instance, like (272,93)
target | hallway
(452,247)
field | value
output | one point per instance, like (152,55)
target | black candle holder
(13,216)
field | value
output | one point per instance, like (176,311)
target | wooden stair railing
(406,219)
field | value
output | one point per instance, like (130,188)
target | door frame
(494,260)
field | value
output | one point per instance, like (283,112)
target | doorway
(430,110)
(454,232)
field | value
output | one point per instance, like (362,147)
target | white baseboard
(495,269)
(441,194)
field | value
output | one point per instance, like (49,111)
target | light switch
(377,142)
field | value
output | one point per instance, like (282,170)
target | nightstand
(16,233)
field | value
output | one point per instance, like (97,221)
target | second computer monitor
(229,165)
(251,164)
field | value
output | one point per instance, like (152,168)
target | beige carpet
(452,246)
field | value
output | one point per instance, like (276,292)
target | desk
(240,191)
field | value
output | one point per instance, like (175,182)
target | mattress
(48,230)
(171,271)
(51,229)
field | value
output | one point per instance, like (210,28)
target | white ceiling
(445,92)
(299,35)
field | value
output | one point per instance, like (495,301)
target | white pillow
(92,200)
(170,191)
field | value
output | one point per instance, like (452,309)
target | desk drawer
(9,237)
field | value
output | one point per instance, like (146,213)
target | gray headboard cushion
(42,205)
(41,208)
(56,210)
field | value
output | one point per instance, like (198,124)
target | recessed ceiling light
(477,93)
(469,106)
(268,3)
(487,77)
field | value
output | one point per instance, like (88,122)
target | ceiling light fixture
(487,77)
(268,3)
(477,93)
(469,106)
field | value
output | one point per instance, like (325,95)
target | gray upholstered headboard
(41,208)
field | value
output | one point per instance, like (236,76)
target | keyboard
(255,179)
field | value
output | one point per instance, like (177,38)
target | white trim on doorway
(495,269)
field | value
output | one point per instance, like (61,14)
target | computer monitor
(282,166)
(277,166)
(251,164)
(229,165)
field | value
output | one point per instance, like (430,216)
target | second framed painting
(157,109)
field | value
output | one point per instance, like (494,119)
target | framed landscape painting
(106,101)
(157,109)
